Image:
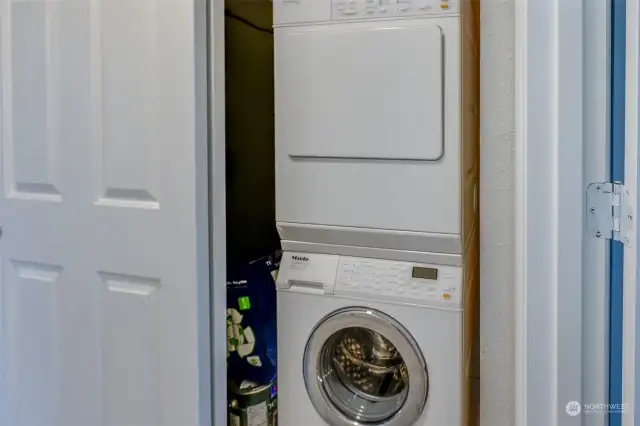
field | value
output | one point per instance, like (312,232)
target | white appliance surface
(312,286)
(367,116)
(367,102)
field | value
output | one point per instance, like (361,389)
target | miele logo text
(300,258)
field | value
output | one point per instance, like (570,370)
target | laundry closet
(352,160)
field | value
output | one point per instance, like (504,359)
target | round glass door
(362,367)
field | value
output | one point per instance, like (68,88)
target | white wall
(497,228)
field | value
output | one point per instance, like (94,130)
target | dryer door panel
(367,93)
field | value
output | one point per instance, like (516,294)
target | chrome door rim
(418,388)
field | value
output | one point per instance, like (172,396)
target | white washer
(376,124)
(375,342)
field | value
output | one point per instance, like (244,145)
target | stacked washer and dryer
(377,158)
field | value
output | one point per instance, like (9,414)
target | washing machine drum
(362,367)
(368,364)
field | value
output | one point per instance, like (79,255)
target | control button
(349,12)
(446,296)
(370,11)
(444,6)
(383,10)
(403,9)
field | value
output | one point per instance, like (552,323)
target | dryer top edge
(305,12)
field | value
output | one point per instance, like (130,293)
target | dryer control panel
(386,280)
(361,9)
(288,12)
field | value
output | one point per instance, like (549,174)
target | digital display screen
(425,273)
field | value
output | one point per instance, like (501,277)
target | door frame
(630,318)
(596,265)
(558,269)
(214,63)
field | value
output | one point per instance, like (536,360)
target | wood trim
(470,114)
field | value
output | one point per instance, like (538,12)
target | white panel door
(100,282)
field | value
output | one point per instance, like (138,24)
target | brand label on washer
(257,415)
(299,263)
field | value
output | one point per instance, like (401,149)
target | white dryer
(372,342)
(376,115)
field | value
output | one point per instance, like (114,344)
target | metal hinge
(609,214)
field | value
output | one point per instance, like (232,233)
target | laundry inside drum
(369,364)
(363,375)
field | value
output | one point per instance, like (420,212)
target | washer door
(361,367)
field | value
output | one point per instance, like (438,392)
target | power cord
(228,13)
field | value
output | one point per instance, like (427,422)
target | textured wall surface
(497,274)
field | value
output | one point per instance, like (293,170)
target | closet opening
(359,123)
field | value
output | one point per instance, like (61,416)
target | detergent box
(251,321)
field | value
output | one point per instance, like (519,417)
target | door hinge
(609,213)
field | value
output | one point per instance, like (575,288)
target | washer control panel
(362,9)
(401,281)
(387,280)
